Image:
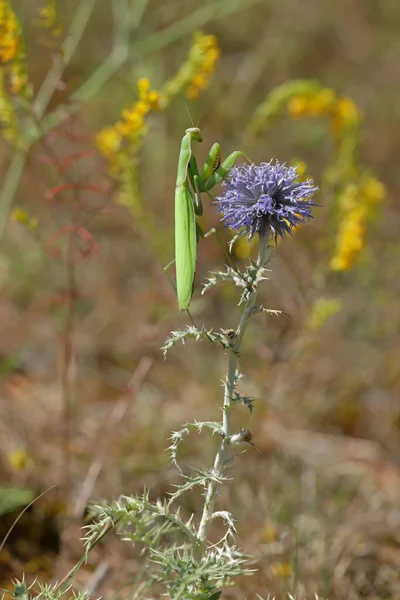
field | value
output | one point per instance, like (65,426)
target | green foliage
(13,498)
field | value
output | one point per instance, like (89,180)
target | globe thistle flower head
(265,198)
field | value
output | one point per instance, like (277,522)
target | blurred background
(94,100)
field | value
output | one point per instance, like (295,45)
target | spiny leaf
(178,436)
(220,339)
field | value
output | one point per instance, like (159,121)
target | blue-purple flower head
(265,198)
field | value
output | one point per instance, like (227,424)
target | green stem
(11,181)
(71,42)
(220,458)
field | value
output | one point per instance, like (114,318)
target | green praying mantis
(190,183)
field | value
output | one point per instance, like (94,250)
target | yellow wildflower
(282,569)
(298,106)
(21,216)
(243,247)
(301,167)
(270,532)
(323,309)
(200,82)
(349,198)
(143,87)
(321,102)
(19,460)
(48,14)
(12,51)
(133,118)
(48,19)
(153,98)
(9,33)
(346,116)
(142,107)
(8,125)
(350,239)
(194,74)
(130,128)
(108,141)
(373,190)
(192,93)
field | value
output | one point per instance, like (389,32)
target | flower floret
(265,198)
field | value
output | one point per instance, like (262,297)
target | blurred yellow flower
(21,216)
(193,75)
(373,190)
(9,30)
(192,93)
(350,239)
(301,167)
(346,116)
(130,128)
(242,247)
(281,569)
(48,16)
(322,310)
(270,532)
(154,98)
(108,141)
(298,106)
(12,53)
(322,102)
(143,87)
(357,204)
(19,460)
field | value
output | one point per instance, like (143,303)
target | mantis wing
(185,245)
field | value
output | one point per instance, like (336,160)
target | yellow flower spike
(20,215)
(347,109)
(349,198)
(350,240)
(133,119)
(8,126)
(19,460)
(9,33)
(12,52)
(108,141)
(243,247)
(282,569)
(143,87)
(322,102)
(301,167)
(200,82)
(192,93)
(123,128)
(153,99)
(209,41)
(298,107)
(346,116)
(326,100)
(194,74)
(373,190)
(210,60)
(142,108)
(270,533)
(322,310)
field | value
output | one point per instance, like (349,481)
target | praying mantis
(190,183)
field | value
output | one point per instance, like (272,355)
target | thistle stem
(221,456)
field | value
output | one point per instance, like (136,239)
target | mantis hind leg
(166,269)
